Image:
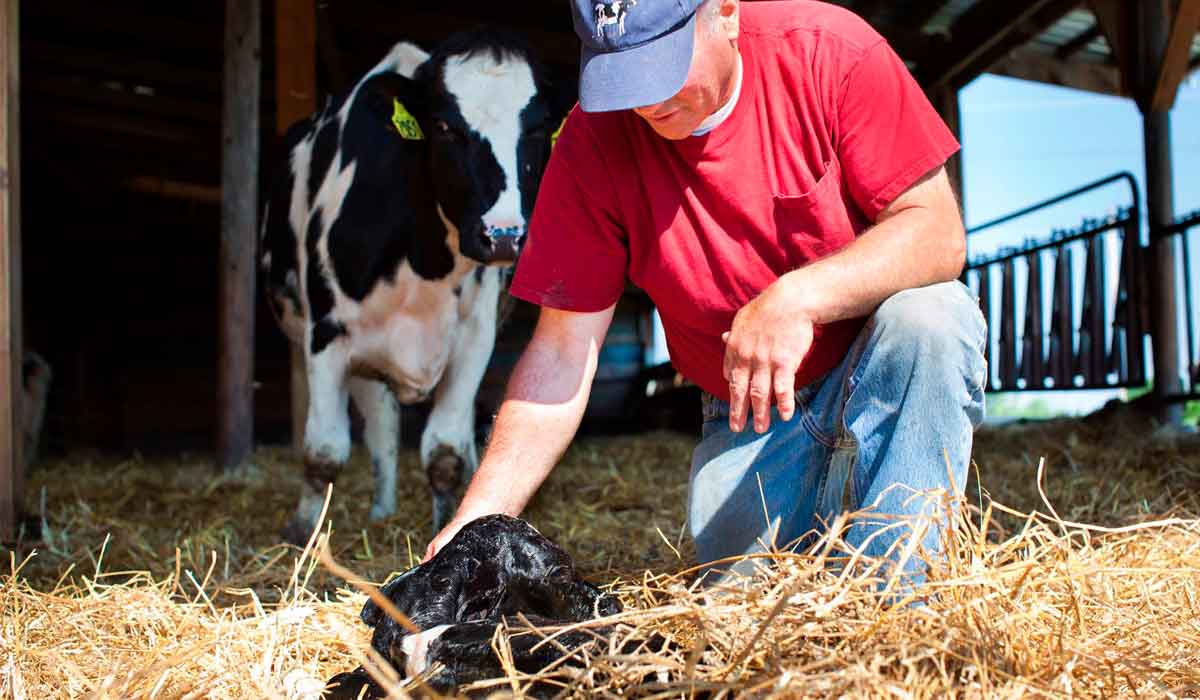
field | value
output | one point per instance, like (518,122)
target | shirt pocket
(815,224)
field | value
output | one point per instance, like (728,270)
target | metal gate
(1097,343)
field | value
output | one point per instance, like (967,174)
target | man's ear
(397,101)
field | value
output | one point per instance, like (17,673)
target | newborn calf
(493,569)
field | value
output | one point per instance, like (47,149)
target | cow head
(489,117)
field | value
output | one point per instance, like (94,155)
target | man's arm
(917,240)
(542,408)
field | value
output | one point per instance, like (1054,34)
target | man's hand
(770,337)
(442,538)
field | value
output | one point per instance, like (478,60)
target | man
(773,177)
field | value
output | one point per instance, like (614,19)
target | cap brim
(643,75)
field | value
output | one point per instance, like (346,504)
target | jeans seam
(803,400)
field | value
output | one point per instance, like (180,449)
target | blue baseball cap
(634,52)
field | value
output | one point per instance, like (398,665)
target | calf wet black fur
(495,568)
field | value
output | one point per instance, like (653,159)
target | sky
(1024,142)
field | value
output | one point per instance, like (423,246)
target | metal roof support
(1077,44)
(12,468)
(239,216)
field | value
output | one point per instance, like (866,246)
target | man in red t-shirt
(773,177)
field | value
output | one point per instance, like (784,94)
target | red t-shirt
(830,127)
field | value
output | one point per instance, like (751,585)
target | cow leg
(448,444)
(37,376)
(381,432)
(326,438)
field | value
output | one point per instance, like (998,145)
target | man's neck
(716,118)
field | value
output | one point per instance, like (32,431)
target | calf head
(494,567)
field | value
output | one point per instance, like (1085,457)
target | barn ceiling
(136,85)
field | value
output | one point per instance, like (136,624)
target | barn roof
(131,82)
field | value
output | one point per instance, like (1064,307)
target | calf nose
(504,241)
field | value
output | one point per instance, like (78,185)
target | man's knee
(940,321)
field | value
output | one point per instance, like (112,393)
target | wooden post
(239,217)
(1153,29)
(945,101)
(295,99)
(12,462)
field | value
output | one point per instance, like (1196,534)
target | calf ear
(371,613)
(398,102)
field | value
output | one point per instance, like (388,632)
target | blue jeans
(896,417)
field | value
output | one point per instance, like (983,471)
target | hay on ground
(1025,604)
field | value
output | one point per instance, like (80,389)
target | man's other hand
(763,351)
(443,537)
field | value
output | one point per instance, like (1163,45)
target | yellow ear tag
(554,136)
(405,123)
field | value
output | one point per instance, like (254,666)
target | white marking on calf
(416,649)
(490,97)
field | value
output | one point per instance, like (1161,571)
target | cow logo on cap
(610,13)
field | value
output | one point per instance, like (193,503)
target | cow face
(490,121)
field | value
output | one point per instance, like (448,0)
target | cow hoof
(445,470)
(297,533)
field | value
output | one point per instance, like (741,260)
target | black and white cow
(382,246)
(610,13)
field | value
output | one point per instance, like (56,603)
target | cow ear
(399,102)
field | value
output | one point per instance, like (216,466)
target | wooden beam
(1116,21)
(923,11)
(1179,49)
(12,467)
(296,98)
(1078,43)
(984,33)
(868,9)
(1043,68)
(173,189)
(130,66)
(239,216)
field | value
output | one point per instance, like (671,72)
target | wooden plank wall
(295,99)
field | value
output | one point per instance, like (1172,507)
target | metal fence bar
(1046,203)
(1032,347)
(1008,326)
(1062,338)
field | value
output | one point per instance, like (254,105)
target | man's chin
(673,132)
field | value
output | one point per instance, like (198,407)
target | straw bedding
(1024,605)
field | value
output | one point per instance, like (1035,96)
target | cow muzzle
(503,244)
